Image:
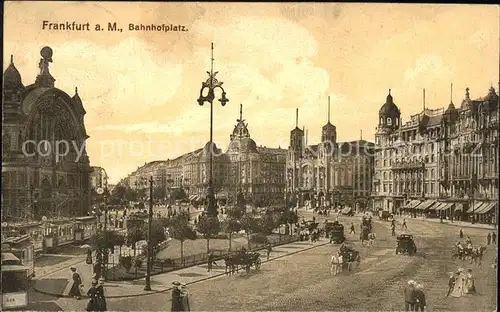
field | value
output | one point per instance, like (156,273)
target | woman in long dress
(76,282)
(471,285)
(459,283)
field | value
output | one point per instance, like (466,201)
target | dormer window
(381,120)
(389,121)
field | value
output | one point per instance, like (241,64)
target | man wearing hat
(184,297)
(419,298)
(176,297)
(409,293)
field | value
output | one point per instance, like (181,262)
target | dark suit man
(419,298)
(176,297)
(410,299)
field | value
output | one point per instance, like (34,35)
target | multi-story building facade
(45,167)
(259,171)
(440,161)
(328,173)
(98,178)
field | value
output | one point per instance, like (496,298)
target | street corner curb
(57,295)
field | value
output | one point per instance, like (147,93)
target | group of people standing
(461,283)
(180,297)
(414,297)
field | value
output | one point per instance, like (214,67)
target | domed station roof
(389,108)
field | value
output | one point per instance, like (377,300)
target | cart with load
(406,244)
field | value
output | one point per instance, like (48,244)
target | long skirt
(457,289)
(75,290)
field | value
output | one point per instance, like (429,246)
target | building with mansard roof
(442,162)
(330,173)
(258,170)
(36,181)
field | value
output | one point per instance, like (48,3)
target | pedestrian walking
(210,260)
(451,283)
(409,295)
(176,297)
(352,229)
(461,233)
(76,281)
(97,270)
(184,297)
(88,259)
(420,303)
(92,304)
(488,238)
(470,282)
(341,262)
(494,238)
(393,230)
(268,250)
(404,224)
(334,263)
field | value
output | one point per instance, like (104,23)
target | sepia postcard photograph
(246,156)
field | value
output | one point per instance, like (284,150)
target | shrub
(258,238)
(137,262)
(126,262)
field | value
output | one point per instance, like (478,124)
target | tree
(268,223)
(157,233)
(209,226)
(250,224)
(181,229)
(288,217)
(134,235)
(231,226)
(159,192)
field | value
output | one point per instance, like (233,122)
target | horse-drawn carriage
(335,231)
(406,244)
(242,258)
(474,253)
(366,228)
(385,215)
(349,256)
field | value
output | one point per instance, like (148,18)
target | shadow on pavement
(51,286)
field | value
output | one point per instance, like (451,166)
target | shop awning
(192,197)
(412,204)
(446,206)
(475,207)
(437,206)
(459,207)
(426,204)
(486,208)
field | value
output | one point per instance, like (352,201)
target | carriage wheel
(257,264)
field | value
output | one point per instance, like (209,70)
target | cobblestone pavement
(303,282)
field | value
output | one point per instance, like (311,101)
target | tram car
(15,283)
(84,228)
(23,249)
(59,233)
(32,229)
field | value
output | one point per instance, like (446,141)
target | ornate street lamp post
(211,84)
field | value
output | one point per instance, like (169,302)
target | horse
(228,260)
(245,259)
(477,255)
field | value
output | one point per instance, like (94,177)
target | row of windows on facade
(412,187)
